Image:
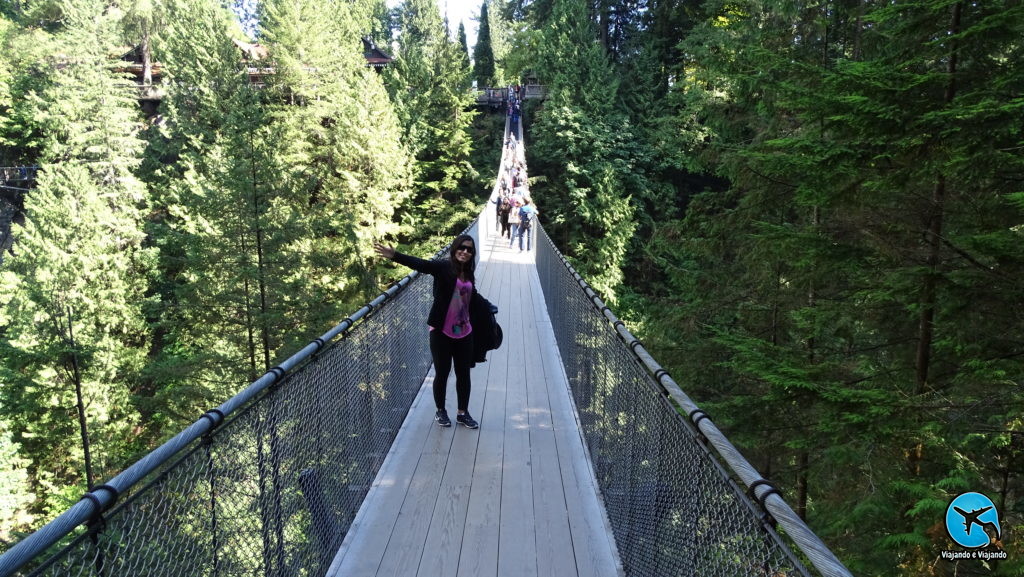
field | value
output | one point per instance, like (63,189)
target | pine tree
(499,29)
(483,52)
(273,195)
(584,149)
(343,166)
(819,281)
(462,42)
(376,20)
(74,287)
(15,492)
(431,90)
(206,158)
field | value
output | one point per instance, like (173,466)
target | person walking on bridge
(527,214)
(451,333)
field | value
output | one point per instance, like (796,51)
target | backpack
(524,218)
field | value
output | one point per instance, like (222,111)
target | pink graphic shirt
(456,322)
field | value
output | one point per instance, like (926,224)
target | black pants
(504,225)
(447,351)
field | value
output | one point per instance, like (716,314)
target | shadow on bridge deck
(516,497)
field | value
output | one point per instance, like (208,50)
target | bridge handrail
(99,499)
(763,490)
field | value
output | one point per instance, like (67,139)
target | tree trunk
(605,23)
(802,480)
(83,424)
(933,243)
(147,60)
(858,32)
(260,264)
(803,464)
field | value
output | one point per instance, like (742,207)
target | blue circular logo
(972,521)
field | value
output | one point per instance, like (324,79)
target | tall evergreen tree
(73,290)
(15,491)
(376,20)
(209,333)
(483,51)
(499,30)
(344,163)
(584,149)
(142,20)
(461,39)
(431,89)
(864,215)
(273,195)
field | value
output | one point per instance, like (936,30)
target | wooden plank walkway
(514,498)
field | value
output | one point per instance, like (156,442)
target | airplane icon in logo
(971,518)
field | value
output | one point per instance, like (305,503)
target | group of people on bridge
(514,108)
(516,212)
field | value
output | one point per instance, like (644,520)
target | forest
(812,214)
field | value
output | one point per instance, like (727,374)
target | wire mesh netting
(673,508)
(274,489)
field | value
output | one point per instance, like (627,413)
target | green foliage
(74,287)
(15,493)
(811,214)
(584,151)
(483,51)
(462,42)
(273,197)
(431,92)
(500,29)
(808,284)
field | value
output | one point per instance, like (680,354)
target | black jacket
(444,285)
(486,332)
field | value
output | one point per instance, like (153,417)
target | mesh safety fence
(672,506)
(274,489)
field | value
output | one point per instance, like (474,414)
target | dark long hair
(469,268)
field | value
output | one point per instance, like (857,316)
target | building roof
(375,57)
(251,51)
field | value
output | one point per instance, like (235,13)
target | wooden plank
(405,545)
(533,367)
(479,555)
(552,531)
(517,546)
(364,544)
(555,554)
(443,543)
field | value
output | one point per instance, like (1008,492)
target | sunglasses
(466,247)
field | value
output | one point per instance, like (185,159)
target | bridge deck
(514,498)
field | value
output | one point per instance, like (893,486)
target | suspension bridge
(589,460)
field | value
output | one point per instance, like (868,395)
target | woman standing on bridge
(451,333)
